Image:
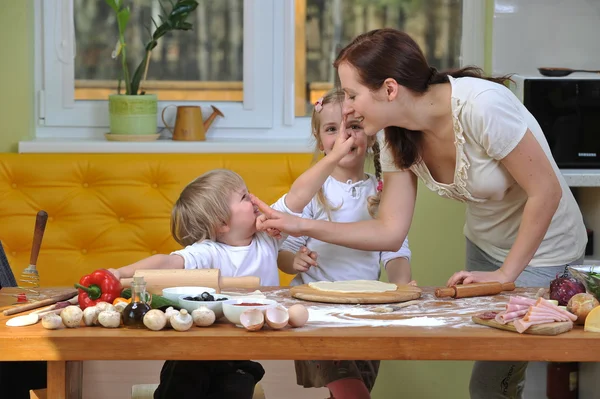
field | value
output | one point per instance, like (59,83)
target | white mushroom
(109,318)
(170,312)
(71,316)
(155,319)
(52,321)
(105,306)
(90,316)
(181,321)
(203,316)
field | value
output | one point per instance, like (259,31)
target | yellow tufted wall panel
(109,210)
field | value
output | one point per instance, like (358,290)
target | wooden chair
(146,391)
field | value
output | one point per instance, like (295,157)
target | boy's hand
(115,273)
(304,259)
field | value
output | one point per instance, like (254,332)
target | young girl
(216,222)
(338,189)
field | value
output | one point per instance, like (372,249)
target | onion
(563,287)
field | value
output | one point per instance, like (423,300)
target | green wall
(16,73)
(436,237)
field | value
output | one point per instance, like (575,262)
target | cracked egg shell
(252,319)
(277,317)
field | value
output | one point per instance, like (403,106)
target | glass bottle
(133,314)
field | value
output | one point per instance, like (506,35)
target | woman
(467,138)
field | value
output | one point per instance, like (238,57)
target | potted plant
(135,112)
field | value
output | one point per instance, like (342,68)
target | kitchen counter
(432,329)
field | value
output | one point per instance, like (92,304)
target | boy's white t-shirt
(257,259)
(336,262)
(489,122)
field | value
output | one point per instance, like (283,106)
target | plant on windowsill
(135,112)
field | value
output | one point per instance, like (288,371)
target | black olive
(198,298)
(207,297)
(189,298)
(222,299)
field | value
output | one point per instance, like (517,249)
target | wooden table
(457,338)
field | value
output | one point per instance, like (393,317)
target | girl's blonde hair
(203,206)
(336,96)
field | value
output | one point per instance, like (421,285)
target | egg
(298,315)
(277,317)
(252,319)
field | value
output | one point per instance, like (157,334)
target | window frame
(268,110)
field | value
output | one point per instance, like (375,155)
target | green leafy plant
(169,21)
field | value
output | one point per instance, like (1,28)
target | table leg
(65,380)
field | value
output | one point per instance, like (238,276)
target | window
(262,62)
(205,64)
(324,27)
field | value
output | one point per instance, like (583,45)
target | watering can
(189,124)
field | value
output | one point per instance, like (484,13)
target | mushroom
(155,319)
(71,316)
(181,321)
(203,316)
(105,306)
(90,316)
(52,321)
(170,312)
(109,318)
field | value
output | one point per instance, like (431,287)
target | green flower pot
(133,114)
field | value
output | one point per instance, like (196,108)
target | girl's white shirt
(335,262)
(257,259)
(489,122)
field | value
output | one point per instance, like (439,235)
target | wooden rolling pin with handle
(156,280)
(475,289)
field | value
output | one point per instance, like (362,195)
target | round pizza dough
(353,286)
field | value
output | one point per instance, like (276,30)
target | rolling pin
(475,289)
(156,280)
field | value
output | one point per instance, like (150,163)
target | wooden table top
(433,329)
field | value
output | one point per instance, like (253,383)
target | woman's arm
(159,261)
(530,167)
(386,233)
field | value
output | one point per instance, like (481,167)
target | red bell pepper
(99,286)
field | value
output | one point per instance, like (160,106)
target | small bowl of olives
(210,300)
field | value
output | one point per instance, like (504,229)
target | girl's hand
(304,259)
(465,277)
(343,142)
(273,219)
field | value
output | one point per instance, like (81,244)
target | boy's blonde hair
(336,96)
(203,206)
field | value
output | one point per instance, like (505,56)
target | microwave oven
(568,111)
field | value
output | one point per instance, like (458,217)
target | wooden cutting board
(555,328)
(402,294)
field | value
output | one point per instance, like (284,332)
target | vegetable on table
(121,299)
(155,301)
(563,287)
(99,286)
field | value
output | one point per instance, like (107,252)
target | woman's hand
(304,259)
(465,277)
(272,219)
(275,233)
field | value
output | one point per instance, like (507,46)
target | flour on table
(353,286)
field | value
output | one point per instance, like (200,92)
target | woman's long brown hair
(389,53)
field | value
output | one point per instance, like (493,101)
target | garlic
(109,318)
(203,316)
(105,306)
(155,319)
(71,316)
(170,312)
(52,321)
(181,321)
(90,316)
(120,306)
